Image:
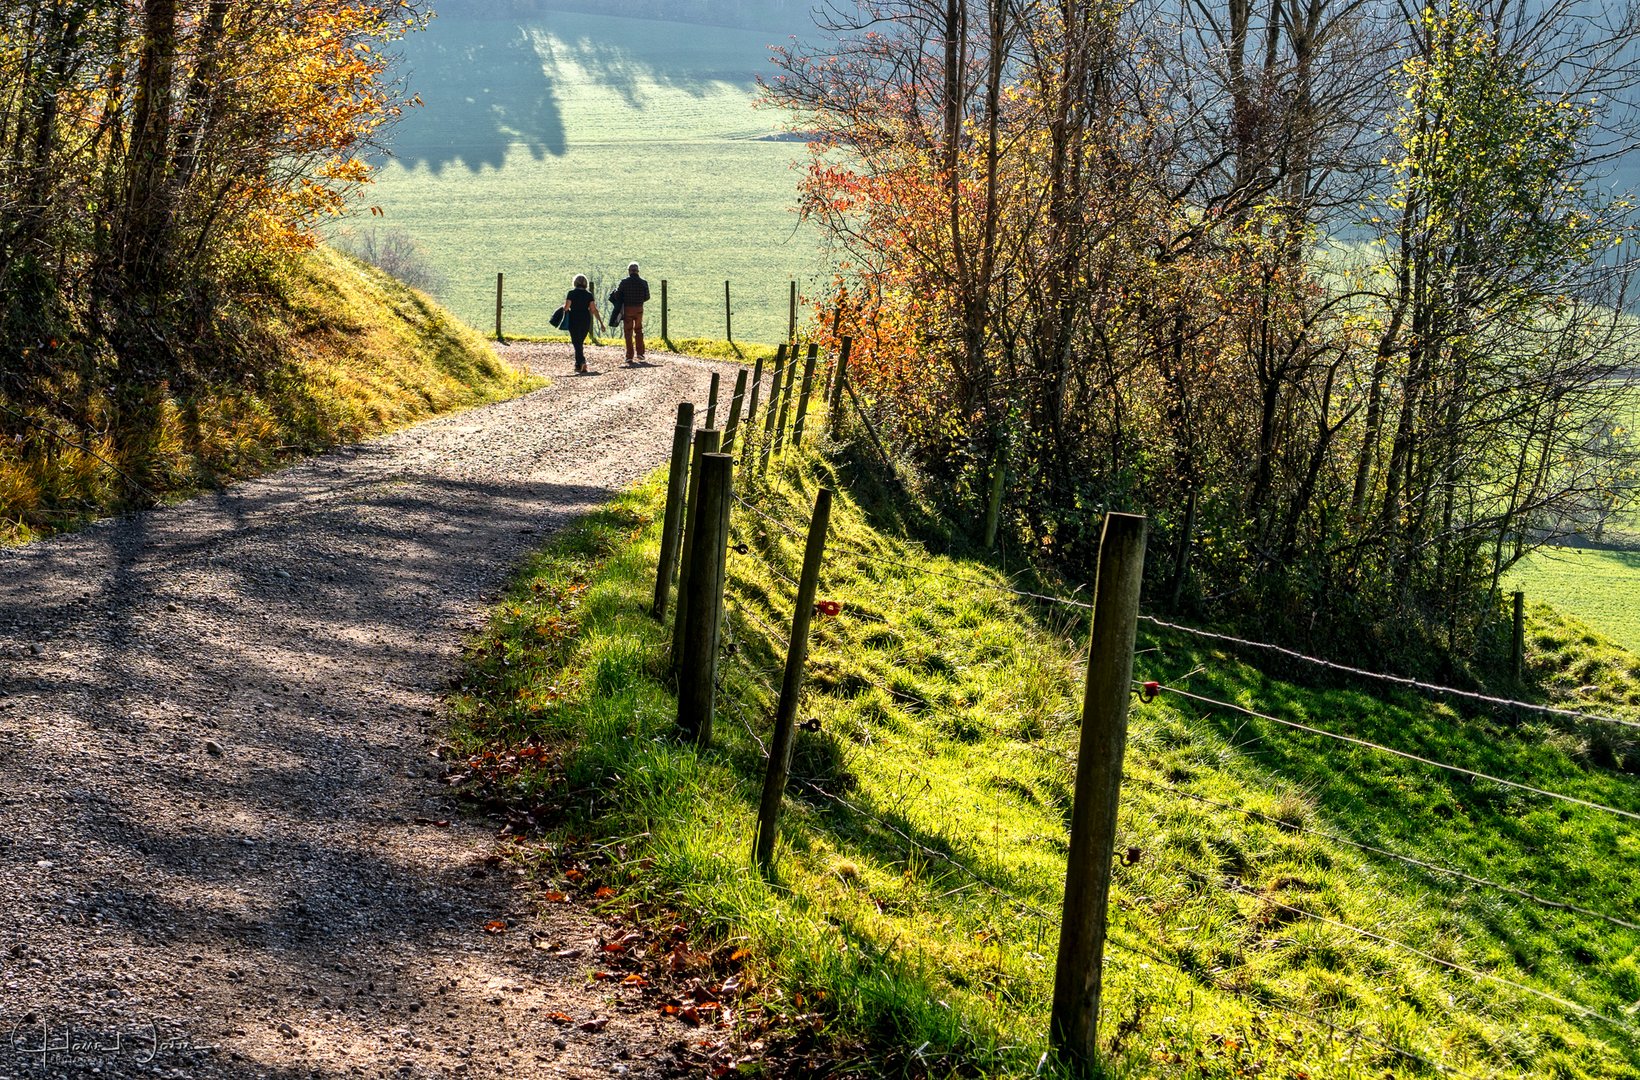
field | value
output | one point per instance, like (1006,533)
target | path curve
(215,731)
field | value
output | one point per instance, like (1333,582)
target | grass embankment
(915,910)
(337,352)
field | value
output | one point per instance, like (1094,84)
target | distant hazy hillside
(789,16)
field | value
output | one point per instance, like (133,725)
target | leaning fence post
(1074,1024)
(664,335)
(786,401)
(707,441)
(499,278)
(735,401)
(711,401)
(677,480)
(1517,640)
(785,716)
(697,676)
(837,382)
(728,315)
(803,398)
(774,389)
(751,410)
(993,506)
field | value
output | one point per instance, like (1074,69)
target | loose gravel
(223,849)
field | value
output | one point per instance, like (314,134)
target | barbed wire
(1398,680)
(1473,879)
(1379,747)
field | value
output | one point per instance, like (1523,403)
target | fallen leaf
(561,1018)
(595,1025)
(555,898)
(634,980)
(604,893)
(495,926)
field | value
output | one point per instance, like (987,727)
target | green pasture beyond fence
(663,298)
(744,431)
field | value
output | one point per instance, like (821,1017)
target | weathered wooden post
(672,524)
(1517,640)
(993,506)
(711,402)
(735,401)
(791,688)
(791,323)
(707,441)
(838,381)
(1074,1025)
(771,409)
(697,676)
(836,321)
(499,278)
(780,427)
(751,410)
(803,398)
(728,315)
(666,337)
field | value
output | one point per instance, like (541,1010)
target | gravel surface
(221,850)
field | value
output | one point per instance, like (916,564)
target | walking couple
(626,309)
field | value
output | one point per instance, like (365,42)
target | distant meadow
(560,143)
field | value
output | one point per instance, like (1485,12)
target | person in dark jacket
(580,308)
(633,291)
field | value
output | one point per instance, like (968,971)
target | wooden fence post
(993,507)
(499,278)
(791,324)
(786,401)
(735,401)
(785,716)
(751,410)
(838,381)
(770,410)
(728,315)
(1517,640)
(711,401)
(1074,1024)
(697,677)
(836,320)
(672,525)
(666,337)
(707,441)
(803,398)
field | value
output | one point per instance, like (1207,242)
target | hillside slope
(333,351)
(1290,905)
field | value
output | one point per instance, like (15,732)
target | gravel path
(218,855)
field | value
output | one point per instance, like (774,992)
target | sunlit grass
(921,857)
(343,353)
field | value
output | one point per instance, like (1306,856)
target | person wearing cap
(633,291)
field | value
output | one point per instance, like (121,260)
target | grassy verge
(914,916)
(745,352)
(341,352)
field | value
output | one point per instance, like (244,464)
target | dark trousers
(578,338)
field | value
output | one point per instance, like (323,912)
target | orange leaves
(495,926)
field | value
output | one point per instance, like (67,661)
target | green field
(568,143)
(1602,588)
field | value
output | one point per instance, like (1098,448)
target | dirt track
(217,849)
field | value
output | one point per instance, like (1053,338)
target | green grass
(745,352)
(1602,588)
(562,143)
(338,352)
(922,852)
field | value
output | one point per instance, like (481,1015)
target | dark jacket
(634,291)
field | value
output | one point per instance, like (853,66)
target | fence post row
(672,524)
(735,401)
(791,688)
(697,675)
(707,441)
(803,398)
(751,410)
(1074,1024)
(837,382)
(780,426)
(712,400)
(499,278)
